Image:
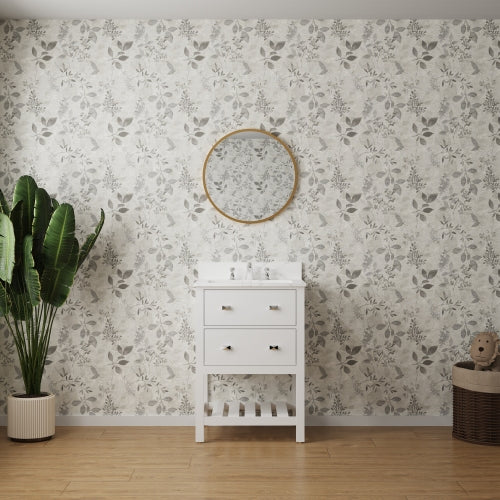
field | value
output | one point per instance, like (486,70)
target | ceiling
(228,9)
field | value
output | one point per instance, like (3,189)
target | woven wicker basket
(476,404)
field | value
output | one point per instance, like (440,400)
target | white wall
(395,128)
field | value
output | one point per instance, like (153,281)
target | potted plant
(39,257)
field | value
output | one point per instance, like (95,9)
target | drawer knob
(274,347)
(274,308)
(226,308)
(226,347)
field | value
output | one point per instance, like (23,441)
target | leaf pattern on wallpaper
(395,126)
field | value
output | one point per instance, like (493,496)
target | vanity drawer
(237,346)
(250,307)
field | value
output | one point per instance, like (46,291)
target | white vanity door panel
(235,346)
(250,307)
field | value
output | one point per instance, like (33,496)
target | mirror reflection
(250,175)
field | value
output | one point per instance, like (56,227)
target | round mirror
(250,176)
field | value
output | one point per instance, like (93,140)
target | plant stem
(32,337)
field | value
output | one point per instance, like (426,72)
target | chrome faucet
(266,273)
(249,273)
(231,275)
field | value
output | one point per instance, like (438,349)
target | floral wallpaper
(249,178)
(395,126)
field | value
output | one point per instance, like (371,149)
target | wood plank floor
(249,462)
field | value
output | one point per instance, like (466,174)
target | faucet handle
(249,271)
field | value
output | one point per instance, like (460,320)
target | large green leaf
(41,218)
(4,301)
(20,306)
(89,242)
(56,284)
(56,281)
(59,237)
(25,192)
(7,248)
(4,206)
(17,216)
(31,278)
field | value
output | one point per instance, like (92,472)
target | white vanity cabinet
(253,326)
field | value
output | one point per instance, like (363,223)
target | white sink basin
(217,275)
(249,282)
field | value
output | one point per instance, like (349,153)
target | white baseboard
(188,420)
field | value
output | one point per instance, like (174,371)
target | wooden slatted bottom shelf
(249,413)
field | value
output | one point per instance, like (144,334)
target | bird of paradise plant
(39,257)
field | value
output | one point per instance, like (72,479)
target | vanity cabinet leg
(200,432)
(199,412)
(300,409)
(300,433)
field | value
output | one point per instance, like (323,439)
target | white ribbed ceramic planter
(31,419)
